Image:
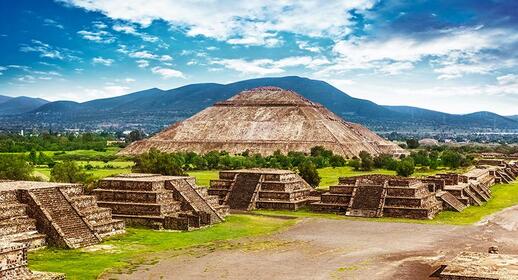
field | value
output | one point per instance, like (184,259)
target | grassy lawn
(139,245)
(203,177)
(504,195)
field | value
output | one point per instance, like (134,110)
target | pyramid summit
(263,120)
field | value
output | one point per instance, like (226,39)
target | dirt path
(340,249)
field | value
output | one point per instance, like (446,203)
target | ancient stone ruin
(261,189)
(13,264)
(160,202)
(37,213)
(379,196)
(264,120)
(475,266)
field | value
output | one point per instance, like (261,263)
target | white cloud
(507,79)
(103,61)
(239,22)
(452,53)
(304,45)
(143,54)
(142,63)
(100,25)
(130,29)
(100,36)
(51,22)
(48,51)
(167,73)
(165,58)
(269,66)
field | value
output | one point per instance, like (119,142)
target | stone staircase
(66,227)
(242,191)
(15,225)
(187,193)
(99,218)
(473,197)
(450,201)
(367,201)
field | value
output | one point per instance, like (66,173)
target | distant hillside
(20,105)
(4,98)
(153,109)
(477,120)
(515,117)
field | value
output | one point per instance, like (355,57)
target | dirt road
(340,249)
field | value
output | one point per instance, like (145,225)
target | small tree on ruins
(308,172)
(69,172)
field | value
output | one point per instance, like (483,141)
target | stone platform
(249,189)
(37,213)
(379,195)
(479,266)
(13,264)
(160,202)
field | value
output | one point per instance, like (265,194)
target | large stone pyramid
(263,120)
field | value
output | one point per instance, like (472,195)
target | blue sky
(452,56)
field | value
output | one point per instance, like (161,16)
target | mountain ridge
(152,109)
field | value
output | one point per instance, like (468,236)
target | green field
(139,246)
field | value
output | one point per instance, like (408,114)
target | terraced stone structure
(160,202)
(13,264)
(264,120)
(379,195)
(250,189)
(40,213)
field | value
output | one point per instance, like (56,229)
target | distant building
(428,142)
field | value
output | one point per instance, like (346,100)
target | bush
(157,162)
(69,172)
(367,163)
(308,172)
(412,143)
(14,167)
(405,167)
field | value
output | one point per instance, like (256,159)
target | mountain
(20,105)
(515,117)
(153,109)
(477,119)
(4,98)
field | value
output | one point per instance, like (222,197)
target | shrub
(14,167)
(405,167)
(308,171)
(69,172)
(157,162)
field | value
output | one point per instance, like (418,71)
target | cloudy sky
(452,56)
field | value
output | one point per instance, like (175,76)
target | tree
(367,163)
(412,143)
(135,135)
(451,159)
(308,172)
(14,167)
(405,167)
(157,162)
(355,164)
(69,172)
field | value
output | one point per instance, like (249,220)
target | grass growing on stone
(504,195)
(139,245)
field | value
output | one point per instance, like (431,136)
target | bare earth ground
(338,249)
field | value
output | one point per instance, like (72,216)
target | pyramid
(263,120)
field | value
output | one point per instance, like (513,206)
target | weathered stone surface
(261,188)
(13,264)
(479,266)
(156,201)
(264,120)
(36,212)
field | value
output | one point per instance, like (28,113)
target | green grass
(139,245)
(503,196)
(203,177)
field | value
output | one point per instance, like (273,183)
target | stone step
(473,197)
(109,228)
(96,214)
(451,201)
(84,201)
(17,225)
(133,196)
(8,211)
(32,239)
